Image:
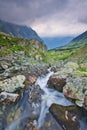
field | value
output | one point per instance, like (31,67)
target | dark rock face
(56,82)
(67,117)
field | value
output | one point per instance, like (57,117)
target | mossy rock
(12,84)
(78,73)
(72,65)
(75,88)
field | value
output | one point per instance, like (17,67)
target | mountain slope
(18,30)
(10,45)
(79,41)
(74,50)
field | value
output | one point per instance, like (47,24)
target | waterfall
(49,97)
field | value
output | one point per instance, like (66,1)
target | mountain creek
(41,89)
(32,97)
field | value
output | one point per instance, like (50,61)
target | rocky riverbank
(70,78)
(20,99)
(72,81)
(18,93)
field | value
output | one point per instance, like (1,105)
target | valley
(39,88)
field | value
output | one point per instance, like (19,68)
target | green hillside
(76,49)
(32,48)
(79,41)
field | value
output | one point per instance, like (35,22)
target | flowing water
(48,97)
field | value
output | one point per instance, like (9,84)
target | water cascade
(49,97)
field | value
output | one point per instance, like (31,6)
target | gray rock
(9,96)
(76,88)
(13,83)
(76,82)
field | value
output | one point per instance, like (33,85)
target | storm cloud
(48,17)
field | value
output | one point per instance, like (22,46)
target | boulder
(68,68)
(32,79)
(72,65)
(56,82)
(4,65)
(8,96)
(73,81)
(67,116)
(12,84)
(76,88)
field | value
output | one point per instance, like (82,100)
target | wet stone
(56,82)
(67,117)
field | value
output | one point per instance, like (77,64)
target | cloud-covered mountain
(18,30)
(48,17)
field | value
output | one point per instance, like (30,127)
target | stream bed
(32,110)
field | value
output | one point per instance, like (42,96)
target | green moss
(52,57)
(10,45)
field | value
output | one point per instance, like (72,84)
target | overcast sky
(47,17)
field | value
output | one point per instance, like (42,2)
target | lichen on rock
(12,84)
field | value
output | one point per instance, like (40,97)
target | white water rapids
(49,97)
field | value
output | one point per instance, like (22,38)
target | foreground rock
(32,79)
(12,84)
(8,96)
(63,71)
(67,117)
(56,82)
(19,63)
(65,67)
(70,79)
(76,88)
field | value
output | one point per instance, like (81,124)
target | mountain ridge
(20,31)
(79,41)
